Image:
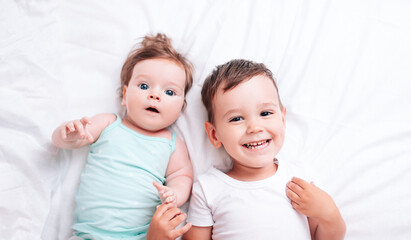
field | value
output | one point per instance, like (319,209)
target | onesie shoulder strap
(173,141)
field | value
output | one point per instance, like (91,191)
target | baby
(116,198)
(252,199)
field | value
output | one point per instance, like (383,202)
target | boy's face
(249,123)
(154,96)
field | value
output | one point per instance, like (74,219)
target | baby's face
(249,123)
(154,96)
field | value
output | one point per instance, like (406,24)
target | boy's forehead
(259,86)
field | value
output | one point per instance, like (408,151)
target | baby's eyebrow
(268,104)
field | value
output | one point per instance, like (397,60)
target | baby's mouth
(257,145)
(152,109)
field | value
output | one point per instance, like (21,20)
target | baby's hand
(167,195)
(76,130)
(310,200)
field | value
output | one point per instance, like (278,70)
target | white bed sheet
(343,70)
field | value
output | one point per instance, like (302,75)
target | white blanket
(343,69)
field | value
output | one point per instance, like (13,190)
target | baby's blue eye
(265,113)
(170,92)
(236,119)
(143,86)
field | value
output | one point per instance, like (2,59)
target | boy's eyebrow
(231,111)
(261,105)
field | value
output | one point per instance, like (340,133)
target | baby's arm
(179,177)
(323,215)
(81,132)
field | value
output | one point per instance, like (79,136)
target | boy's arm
(198,233)
(179,176)
(81,132)
(323,215)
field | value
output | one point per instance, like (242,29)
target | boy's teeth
(256,144)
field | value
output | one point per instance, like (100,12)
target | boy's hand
(310,200)
(76,130)
(167,195)
(164,222)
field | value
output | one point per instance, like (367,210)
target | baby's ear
(123,101)
(211,133)
(284,114)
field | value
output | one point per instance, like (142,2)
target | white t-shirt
(247,210)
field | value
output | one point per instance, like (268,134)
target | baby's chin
(152,127)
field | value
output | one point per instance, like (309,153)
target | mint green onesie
(116,198)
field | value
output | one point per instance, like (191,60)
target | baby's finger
(63,133)
(167,193)
(160,187)
(170,199)
(79,127)
(90,138)
(85,121)
(70,127)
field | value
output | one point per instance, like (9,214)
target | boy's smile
(250,125)
(257,145)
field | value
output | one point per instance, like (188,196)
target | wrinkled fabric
(342,69)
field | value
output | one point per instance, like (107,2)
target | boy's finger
(295,205)
(179,232)
(172,212)
(177,220)
(295,187)
(300,182)
(292,195)
(161,209)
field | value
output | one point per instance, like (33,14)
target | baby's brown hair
(228,76)
(158,46)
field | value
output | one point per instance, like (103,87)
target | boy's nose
(254,127)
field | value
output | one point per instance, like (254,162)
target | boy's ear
(211,133)
(123,102)
(284,113)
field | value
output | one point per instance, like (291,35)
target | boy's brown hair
(158,46)
(228,76)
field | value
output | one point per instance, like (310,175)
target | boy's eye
(170,92)
(265,113)
(236,119)
(143,86)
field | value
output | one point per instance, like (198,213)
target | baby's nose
(154,96)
